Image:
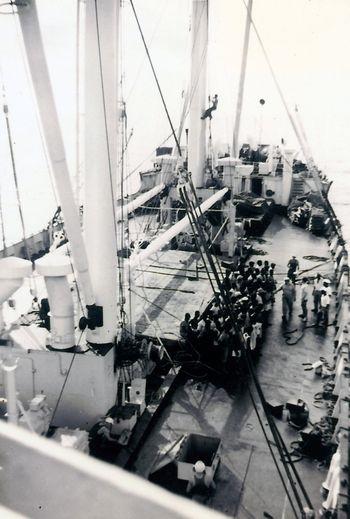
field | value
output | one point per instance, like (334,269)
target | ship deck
(247,483)
(168,286)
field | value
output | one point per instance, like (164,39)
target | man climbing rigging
(209,111)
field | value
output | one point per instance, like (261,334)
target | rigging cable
(190,208)
(284,453)
(268,442)
(274,77)
(285,456)
(121,247)
(124,229)
(191,219)
(146,218)
(312,167)
(156,79)
(120,192)
(124,157)
(218,264)
(14,170)
(66,378)
(151,154)
(156,306)
(145,221)
(155,29)
(188,98)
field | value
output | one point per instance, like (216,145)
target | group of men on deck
(321,295)
(214,334)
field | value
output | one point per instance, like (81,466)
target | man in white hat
(324,309)
(327,287)
(318,286)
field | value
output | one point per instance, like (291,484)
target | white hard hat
(199,467)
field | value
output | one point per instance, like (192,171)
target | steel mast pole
(77,105)
(198,98)
(101,125)
(239,103)
(36,58)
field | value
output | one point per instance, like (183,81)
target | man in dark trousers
(288,298)
(293,266)
(323,313)
(185,328)
(208,112)
(304,298)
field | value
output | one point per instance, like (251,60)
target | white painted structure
(180,226)
(90,383)
(138,202)
(101,96)
(230,175)
(198,98)
(55,269)
(230,236)
(9,366)
(239,103)
(12,273)
(239,177)
(287,176)
(53,139)
(67,483)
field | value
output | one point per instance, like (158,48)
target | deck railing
(337,484)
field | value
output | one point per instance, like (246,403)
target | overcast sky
(307,42)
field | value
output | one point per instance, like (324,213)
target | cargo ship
(155,331)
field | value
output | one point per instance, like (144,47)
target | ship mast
(239,103)
(36,59)
(101,121)
(198,100)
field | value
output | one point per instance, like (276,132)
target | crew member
(208,112)
(101,438)
(327,287)
(324,309)
(293,266)
(318,286)
(185,327)
(35,305)
(288,297)
(304,298)
(195,320)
